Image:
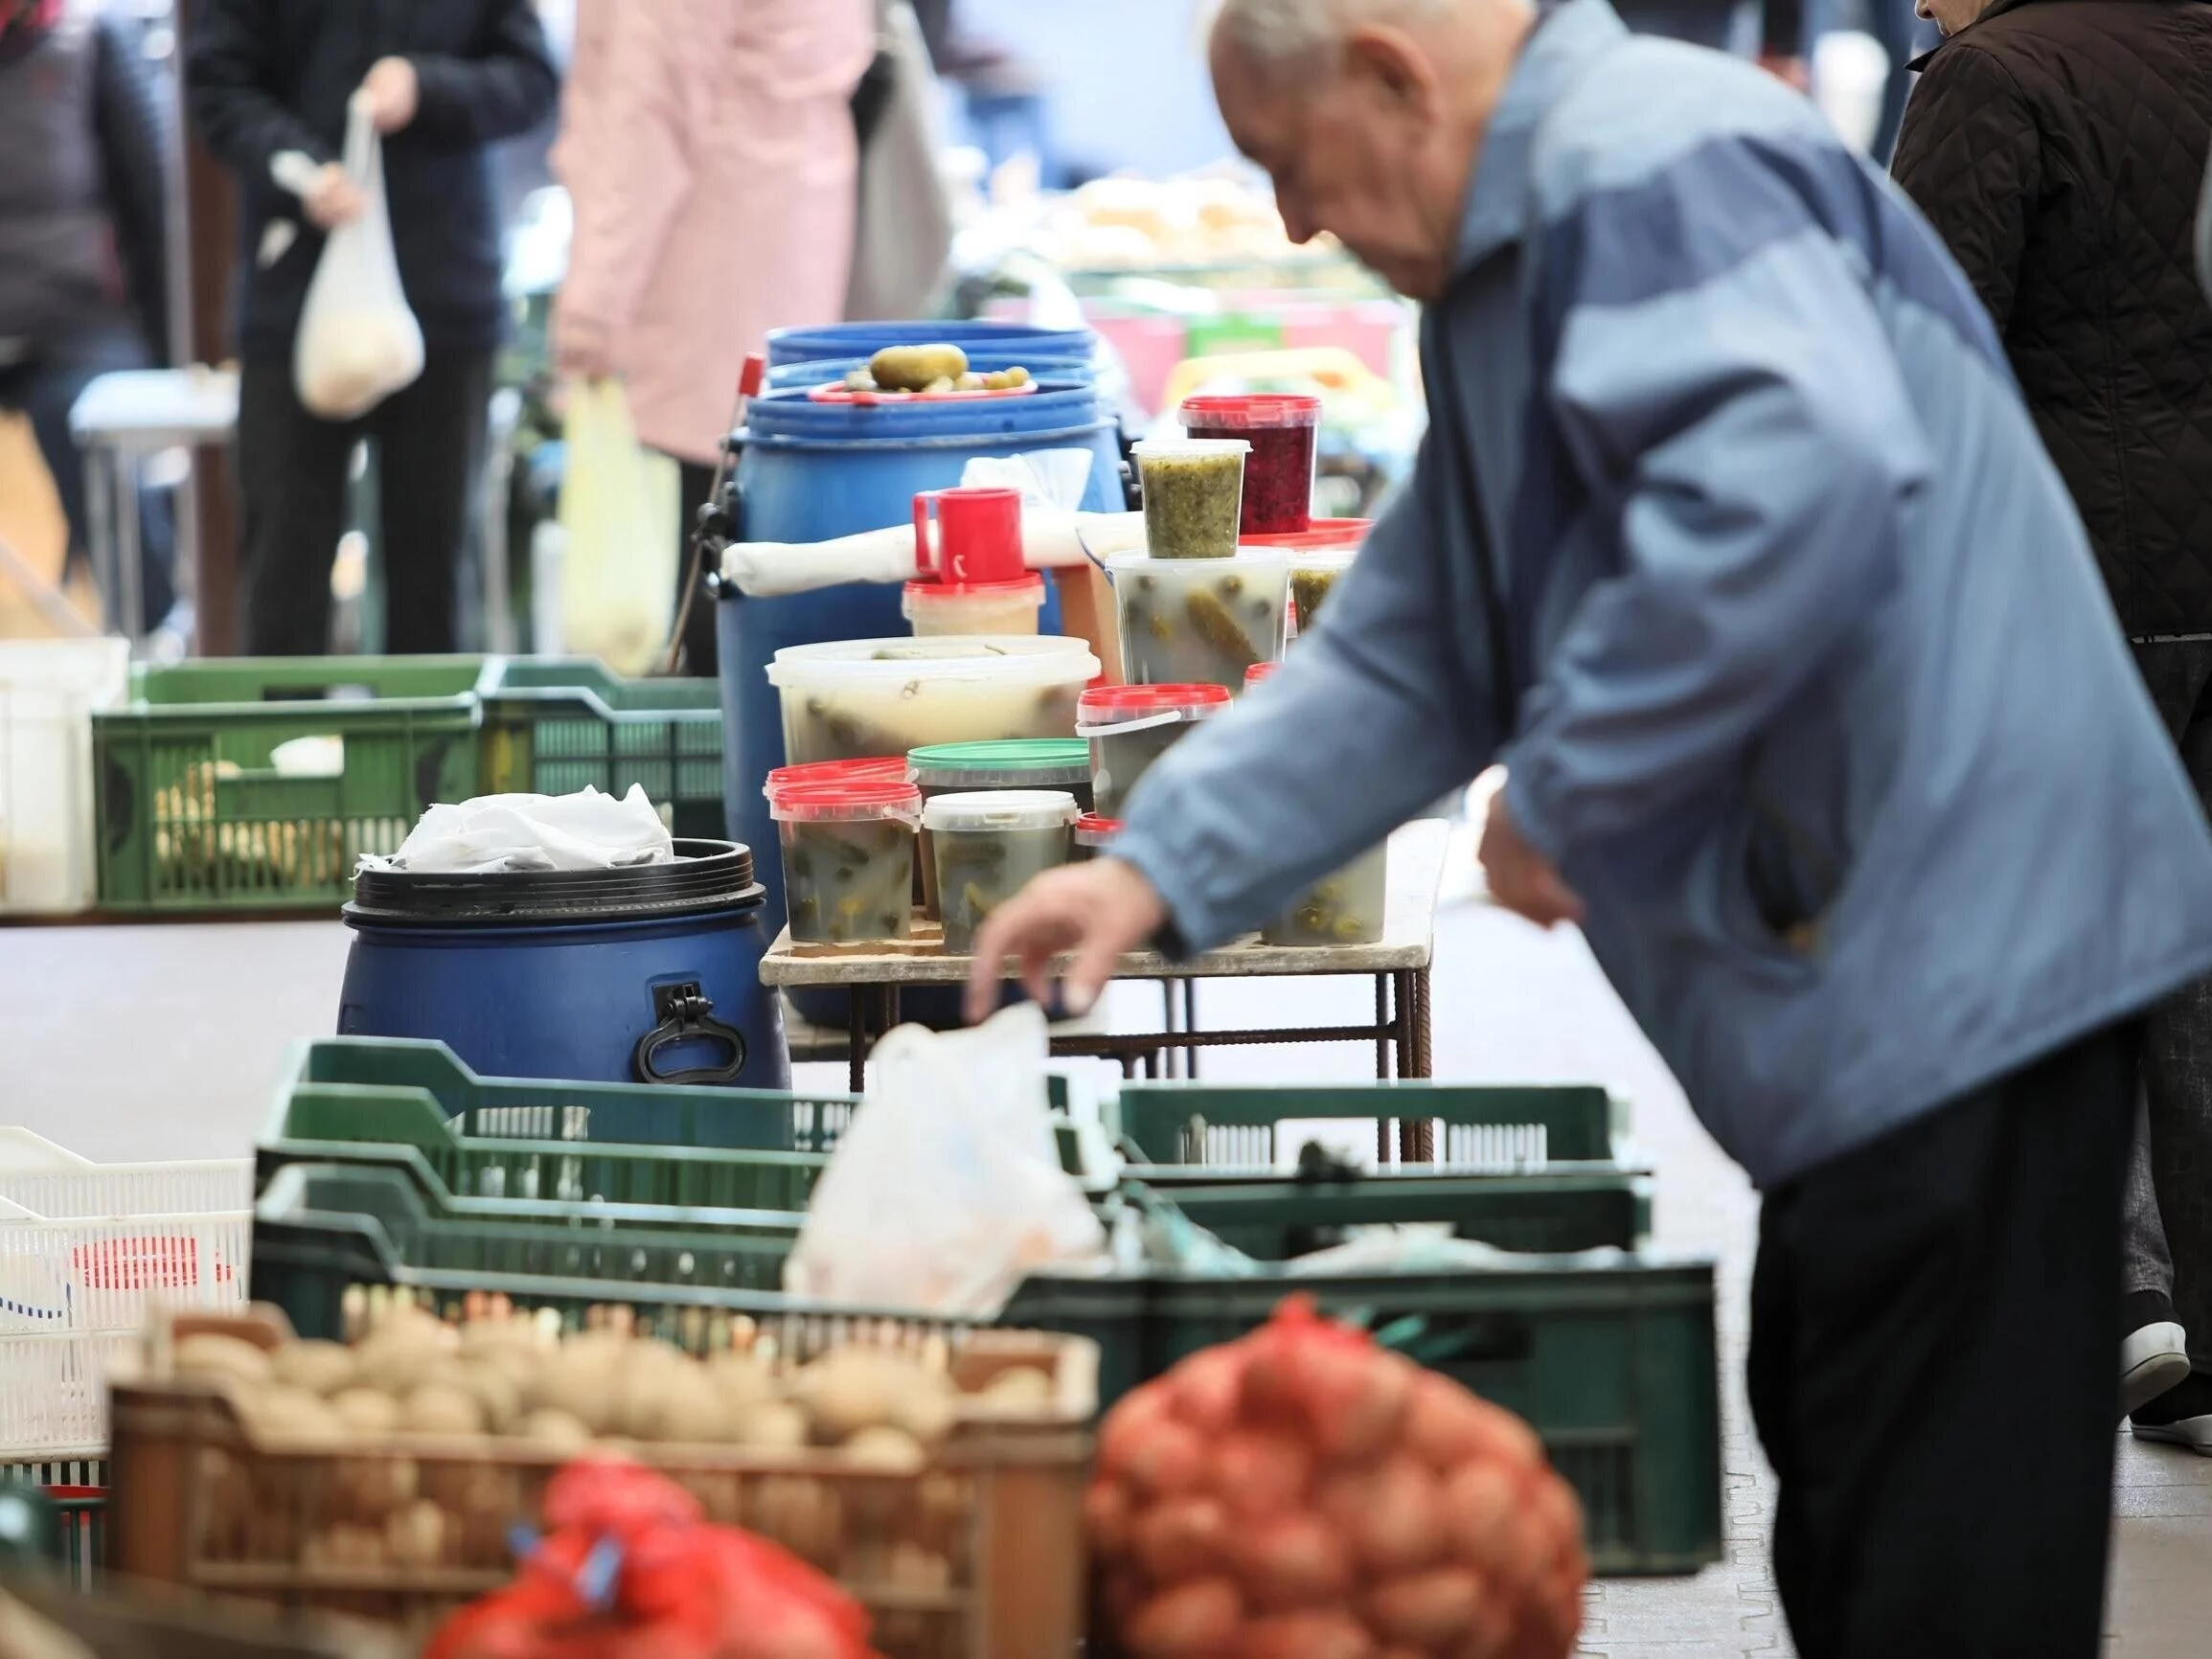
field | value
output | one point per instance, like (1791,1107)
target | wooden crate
(978,1555)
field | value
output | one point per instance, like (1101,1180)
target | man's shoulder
(2047,31)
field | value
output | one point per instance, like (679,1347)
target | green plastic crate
(554,725)
(193,815)
(1273,1218)
(1475,1127)
(414,1105)
(1611,1357)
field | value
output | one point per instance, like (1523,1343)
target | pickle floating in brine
(846,882)
(1215,623)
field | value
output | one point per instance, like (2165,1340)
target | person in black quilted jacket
(2059,147)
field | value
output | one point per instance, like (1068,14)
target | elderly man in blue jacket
(1732,540)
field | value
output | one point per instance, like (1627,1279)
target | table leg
(1190,1024)
(100,504)
(856,1000)
(129,565)
(1168,1018)
(1414,1002)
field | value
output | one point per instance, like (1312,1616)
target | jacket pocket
(1791,876)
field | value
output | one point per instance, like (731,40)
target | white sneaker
(2154,1354)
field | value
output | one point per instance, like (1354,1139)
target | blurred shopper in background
(709,149)
(2057,145)
(83,282)
(269,82)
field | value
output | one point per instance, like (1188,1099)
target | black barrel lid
(705,877)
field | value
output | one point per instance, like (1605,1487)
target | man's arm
(1756,430)
(226,69)
(1370,720)
(503,86)
(1971,158)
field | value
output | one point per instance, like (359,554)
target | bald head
(1368,116)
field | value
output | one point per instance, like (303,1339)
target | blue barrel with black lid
(645,974)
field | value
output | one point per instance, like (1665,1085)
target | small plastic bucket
(1130,727)
(1193,491)
(1318,559)
(1094,835)
(872,769)
(964,768)
(989,846)
(1189,622)
(1278,473)
(848,859)
(936,608)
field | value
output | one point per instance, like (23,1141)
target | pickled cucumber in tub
(847,851)
(851,700)
(990,845)
(1199,622)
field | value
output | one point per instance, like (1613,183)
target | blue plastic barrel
(643,976)
(865,339)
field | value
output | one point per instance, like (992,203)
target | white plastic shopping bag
(358,343)
(948,1187)
(622,510)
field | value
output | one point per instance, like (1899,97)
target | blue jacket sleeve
(1370,720)
(1755,432)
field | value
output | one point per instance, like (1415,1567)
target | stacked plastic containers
(1053,764)
(1277,434)
(977,582)
(845,831)
(1342,908)
(1130,727)
(1194,608)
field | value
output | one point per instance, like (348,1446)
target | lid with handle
(1104,710)
(999,809)
(1003,763)
(853,801)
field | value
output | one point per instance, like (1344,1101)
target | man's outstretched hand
(1097,910)
(1522,879)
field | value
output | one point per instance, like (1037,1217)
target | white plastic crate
(87,1247)
(48,692)
(54,1398)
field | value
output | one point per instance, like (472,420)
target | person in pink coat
(709,150)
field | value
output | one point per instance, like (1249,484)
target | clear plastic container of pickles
(1344,907)
(1129,727)
(1194,491)
(1198,621)
(966,768)
(1318,559)
(846,699)
(989,846)
(848,850)
(1095,835)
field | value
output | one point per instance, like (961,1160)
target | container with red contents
(848,851)
(1279,472)
(1129,727)
(1341,908)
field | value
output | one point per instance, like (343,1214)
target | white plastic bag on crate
(946,1190)
(358,343)
(622,508)
(586,830)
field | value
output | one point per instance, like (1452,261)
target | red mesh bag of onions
(1301,1493)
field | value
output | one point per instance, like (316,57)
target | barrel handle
(686,1015)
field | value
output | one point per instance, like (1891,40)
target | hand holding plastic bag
(622,511)
(946,1190)
(357,343)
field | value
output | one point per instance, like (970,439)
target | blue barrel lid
(866,339)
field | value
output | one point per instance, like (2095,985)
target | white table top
(143,409)
(1409,940)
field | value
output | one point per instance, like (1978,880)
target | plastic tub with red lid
(874,769)
(1317,559)
(936,608)
(1279,472)
(1094,836)
(848,851)
(1130,727)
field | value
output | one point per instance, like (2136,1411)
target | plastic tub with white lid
(852,699)
(989,846)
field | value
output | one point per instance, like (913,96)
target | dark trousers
(2175,1229)
(1932,1375)
(44,387)
(429,445)
(701,655)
